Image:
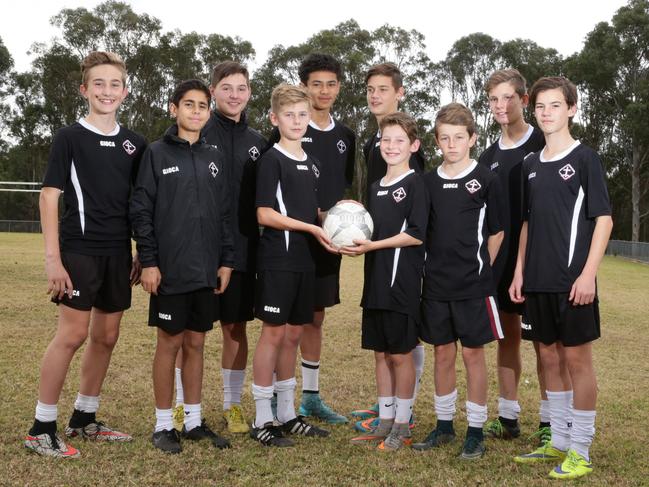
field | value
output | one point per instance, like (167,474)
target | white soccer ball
(346,222)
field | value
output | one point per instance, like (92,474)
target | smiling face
(323,88)
(382,97)
(231,95)
(292,120)
(191,112)
(506,105)
(104,89)
(396,146)
(552,112)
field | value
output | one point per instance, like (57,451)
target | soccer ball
(347,222)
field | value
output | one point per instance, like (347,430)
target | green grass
(27,323)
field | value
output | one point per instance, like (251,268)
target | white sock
(508,409)
(583,431)
(180,396)
(86,404)
(163,420)
(544,411)
(560,420)
(445,406)
(387,407)
(192,416)
(262,396)
(419,358)
(476,414)
(233,380)
(310,376)
(285,399)
(403,410)
(46,413)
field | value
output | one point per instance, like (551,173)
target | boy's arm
(516,287)
(584,288)
(227,238)
(397,241)
(268,217)
(58,279)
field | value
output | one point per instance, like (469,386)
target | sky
(560,24)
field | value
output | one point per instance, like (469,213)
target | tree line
(611,72)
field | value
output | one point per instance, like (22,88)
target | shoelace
(55,441)
(543,434)
(572,460)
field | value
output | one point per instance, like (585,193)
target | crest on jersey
(566,172)
(341,146)
(254,153)
(128,147)
(473,186)
(213,169)
(316,171)
(399,194)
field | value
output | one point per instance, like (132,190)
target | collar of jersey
(385,185)
(328,128)
(561,155)
(443,175)
(288,154)
(94,129)
(519,142)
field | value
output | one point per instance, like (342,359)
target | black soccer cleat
(203,432)
(167,441)
(270,435)
(297,426)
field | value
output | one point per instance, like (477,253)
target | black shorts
(194,311)
(101,282)
(327,279)
(550,318)
(474,322)
(388,331)
(236,303)
(285,297)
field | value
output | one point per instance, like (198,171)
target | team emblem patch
(254,153)
(566,172)
(341,146)
(316,171)
(399,194)
(128,147)
(213,169)
(473,186)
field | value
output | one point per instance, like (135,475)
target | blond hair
(285,94)
(98,58)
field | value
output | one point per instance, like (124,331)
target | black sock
(507,421)
(40,427)
(445,427)
(475,432)
(543,424)
(81,419)
(310,392)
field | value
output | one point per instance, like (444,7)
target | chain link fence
(630,250)
(20,226)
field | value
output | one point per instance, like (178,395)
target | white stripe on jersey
(397,252)
(77,190)
(282,209)
(494,312)
(480,239)
(575,223)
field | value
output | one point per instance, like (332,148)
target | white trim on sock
(46,413)
(445,406)
(164,420)
(233,380)
(476,414)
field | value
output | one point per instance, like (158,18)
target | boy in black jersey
(567,224)
(391,290)
(228,129)
(287,207)
(464,234)
(507,100)
(180,211)
(384,84)
(88,258)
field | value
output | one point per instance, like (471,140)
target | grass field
(27,323)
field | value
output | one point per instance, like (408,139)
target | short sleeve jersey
(289,186)
(464,212)
(564,196)
(376,166)
(393,276)
(95,171)
(507,163)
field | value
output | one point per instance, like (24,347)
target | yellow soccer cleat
(236,423)
(545,453)
(178,416)
(573,467)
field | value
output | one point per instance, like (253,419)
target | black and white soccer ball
(348,221)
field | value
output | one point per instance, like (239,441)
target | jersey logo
(449,186)
(254,153)
(213,169)
(341,146)
(302,167)
(128,147)
(307,139)
(566,172)
(271,309)
(531,176)
(382,193)
(106,143)
(164,316)
(169,170)
(494,165)
(473,186)
(399,194)
(316,171)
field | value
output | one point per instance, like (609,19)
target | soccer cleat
(270,435)
(377,435)
(50,445)
(178,416)
(434,439)
(371,412)
(235,421)
(544,453)
(312,405)
(167,441)
(297,426)
(399,436)
(572,467)
(203,432)
(472,449)
(543,434)
(501,430)
(367,425)
(97,431)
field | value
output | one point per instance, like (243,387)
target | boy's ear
(572,110)
(173,109)
(273,118)
(401,93)
(212,88)
(83,89)
(473,139)
(525,100)
(414,147)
